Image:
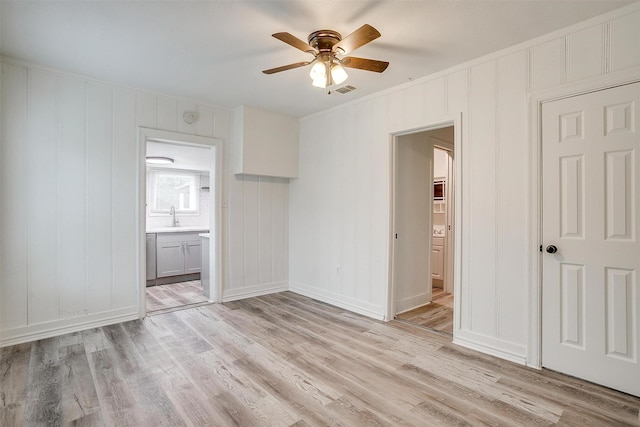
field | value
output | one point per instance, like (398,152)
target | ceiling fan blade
(359,37)
(294,41)
(364,64)
(286,67)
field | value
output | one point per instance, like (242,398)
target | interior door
(591,210)
(413,222)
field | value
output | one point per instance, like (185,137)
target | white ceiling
(214,51)
(184,157)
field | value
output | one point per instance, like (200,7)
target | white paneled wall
(339,206)
(68,186)
(258,218)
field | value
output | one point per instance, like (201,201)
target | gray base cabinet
(177,253)
(151,256)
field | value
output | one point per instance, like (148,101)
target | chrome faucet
(174,221)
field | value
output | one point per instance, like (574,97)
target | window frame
(153,176)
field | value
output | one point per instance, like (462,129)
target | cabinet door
(170,259)
(192,257)
(437,262)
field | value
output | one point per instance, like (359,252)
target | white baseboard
(492,346)
(253,291)
(60,327)
(410,303)
(347,303)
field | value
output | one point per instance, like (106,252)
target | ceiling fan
(328,49)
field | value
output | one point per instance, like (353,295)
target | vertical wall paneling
(42,182)
(625,42)
(363,253)
(13,184)
(492,95)
(549,64)
(123,174)
(498,212)
(586,53)
(458,92)
(512,203)
(72,248)
(481,169)
(395,110)
(204,124)
(251,226)
(378,145)
(236,231)
(218,122)
(344,268)
(68,172)
(265,254)
(414,99)
(278,229)
(146,110)
(1,189)
(167,111)
(99,196)
(434,93)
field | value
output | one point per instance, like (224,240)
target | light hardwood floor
(437,315)
(284,360)
(164,297)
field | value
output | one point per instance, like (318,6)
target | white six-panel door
(591,211)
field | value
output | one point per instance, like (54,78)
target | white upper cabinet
(266,143)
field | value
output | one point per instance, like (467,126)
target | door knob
(551,249)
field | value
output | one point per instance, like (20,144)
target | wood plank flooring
(163,297)
(284,360)
(437,315)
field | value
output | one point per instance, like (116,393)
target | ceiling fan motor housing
(324,40)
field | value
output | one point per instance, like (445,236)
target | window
(179,189)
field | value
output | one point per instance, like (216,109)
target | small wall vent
(345,89)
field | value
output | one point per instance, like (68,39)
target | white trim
(215,146)
(445,121)
(449,270)
(536,99)
(408,304)
(254,291)
(492,346)
(56,328)
(337,300)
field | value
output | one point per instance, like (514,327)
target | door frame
(214,146)
(446,121)
(536,99)
(450,215)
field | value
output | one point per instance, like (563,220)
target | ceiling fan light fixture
(318,71)
(158,160)
(321,83)
(338,74)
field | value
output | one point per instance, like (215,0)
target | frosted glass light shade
(320,82)
(318,71)
(338,74)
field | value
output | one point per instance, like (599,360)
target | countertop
(177,229)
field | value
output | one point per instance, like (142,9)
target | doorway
(590,193)
(179,185)
(423,212)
